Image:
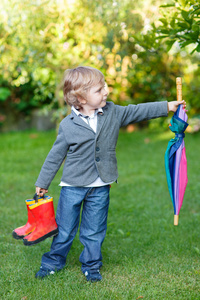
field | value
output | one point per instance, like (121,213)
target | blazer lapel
(77,120)
(101,117)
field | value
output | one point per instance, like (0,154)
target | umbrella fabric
(175,159)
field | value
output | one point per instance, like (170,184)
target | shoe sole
(42,276)
(16,236)
(19,237)
(50,234)
(94,280)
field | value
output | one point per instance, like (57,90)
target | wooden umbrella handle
(179,88)
(176,217)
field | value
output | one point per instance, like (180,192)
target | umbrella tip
(176,220)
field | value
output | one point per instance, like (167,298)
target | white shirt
(92,122)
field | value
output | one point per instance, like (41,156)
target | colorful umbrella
(175,156)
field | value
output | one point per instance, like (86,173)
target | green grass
(144,255)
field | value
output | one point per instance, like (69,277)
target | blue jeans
(95,201)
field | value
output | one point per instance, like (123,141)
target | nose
(105,92)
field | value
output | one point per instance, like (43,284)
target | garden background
(141,47)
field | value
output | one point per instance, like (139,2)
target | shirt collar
(77,112)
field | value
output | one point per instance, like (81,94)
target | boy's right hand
(173,105)
(40,191)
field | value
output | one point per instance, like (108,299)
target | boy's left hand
(173,105)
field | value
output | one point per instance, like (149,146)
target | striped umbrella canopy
(175,156)
(176,162)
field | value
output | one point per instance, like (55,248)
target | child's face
(95,98)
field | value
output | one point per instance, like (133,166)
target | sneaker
(93,275)
(43,272)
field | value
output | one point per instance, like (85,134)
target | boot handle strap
(35,197)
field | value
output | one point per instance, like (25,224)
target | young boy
(87,140)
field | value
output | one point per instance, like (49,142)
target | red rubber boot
(46,226)
(21,232)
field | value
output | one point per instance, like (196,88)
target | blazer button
(97,159)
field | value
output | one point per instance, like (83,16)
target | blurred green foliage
(40,39)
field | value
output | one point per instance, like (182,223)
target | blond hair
(78,81)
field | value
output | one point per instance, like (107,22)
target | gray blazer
(88,154)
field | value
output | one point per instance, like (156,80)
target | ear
(82,100)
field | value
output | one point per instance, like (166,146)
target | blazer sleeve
(140,112)
(53,161)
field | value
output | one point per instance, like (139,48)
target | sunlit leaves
(181,22)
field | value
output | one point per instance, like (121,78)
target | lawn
(144,255)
